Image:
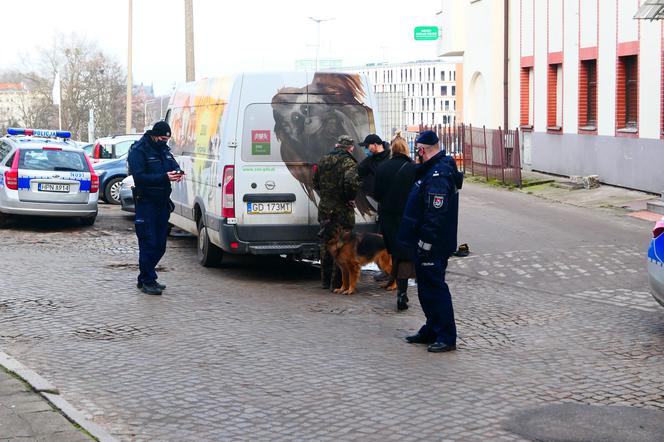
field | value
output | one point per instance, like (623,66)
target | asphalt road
(552,307)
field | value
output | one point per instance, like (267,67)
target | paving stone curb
(49,392)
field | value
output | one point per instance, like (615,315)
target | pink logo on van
(260,136)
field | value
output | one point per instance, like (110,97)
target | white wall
(650,72)
(588,14)
(628,28)
(606,70)
(571,68)
(555,25)
(526,25)
(540,68)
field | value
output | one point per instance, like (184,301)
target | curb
(49,392)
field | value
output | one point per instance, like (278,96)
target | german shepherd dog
(351,251)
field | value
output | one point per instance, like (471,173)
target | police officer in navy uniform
(153,167)
(429,230)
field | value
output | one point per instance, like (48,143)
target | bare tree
(90,80)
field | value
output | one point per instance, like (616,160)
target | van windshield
(301,132)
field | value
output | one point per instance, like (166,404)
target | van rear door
(270,203)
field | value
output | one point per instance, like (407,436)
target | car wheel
(209,255)
(88,220)
(112,190)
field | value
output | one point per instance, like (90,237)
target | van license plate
(269,208)
(44,187)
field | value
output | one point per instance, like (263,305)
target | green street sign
(426,33)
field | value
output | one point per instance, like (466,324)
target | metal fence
(491,153)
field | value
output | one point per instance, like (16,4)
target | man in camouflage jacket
(336,181)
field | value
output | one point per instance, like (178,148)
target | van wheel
(4,219)
(209,255)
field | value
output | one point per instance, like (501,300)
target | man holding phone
(154,169)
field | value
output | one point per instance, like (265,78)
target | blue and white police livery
(429,229)
(656,262)
(44,173)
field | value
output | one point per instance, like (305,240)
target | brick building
(584,82)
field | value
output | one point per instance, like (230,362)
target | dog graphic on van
(308,127)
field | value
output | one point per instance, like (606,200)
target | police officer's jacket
(149,162)
(431,216)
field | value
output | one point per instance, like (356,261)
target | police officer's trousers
(151,223)
(435,299)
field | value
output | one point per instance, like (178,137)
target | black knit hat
(160,129)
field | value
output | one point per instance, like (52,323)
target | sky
(230,36)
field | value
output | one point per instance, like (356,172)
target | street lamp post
(318,22)
(129,80)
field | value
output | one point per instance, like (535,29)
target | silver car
(44,174)
(126,195)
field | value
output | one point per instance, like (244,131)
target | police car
(656,262)
(43,173)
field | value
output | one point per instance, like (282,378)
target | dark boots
(402,297)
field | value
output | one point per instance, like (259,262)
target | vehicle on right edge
(656,262)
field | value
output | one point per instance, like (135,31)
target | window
(588,95)
(442,75)
(627,97)
(447,105)
(453,90)
(5,148)
(526,111)
(554,97)
(454,76)
(443,90)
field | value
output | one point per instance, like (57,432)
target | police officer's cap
(345,141)
(427,137)
(160,129)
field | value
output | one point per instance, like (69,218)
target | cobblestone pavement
(255,350)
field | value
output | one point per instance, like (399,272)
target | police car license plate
(45,187)
(269,208)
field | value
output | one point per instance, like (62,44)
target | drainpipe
(506,65)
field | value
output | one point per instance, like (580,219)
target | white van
(249,144)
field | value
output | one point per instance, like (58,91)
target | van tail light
(94,178)
(96,153)
(11,176)
(228,193)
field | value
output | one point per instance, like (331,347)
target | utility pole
(189,39)
(129,80)
(318,22)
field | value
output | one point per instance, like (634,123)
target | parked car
(43,173)
(110,148)
(111,173)
(126,197)
(656,262)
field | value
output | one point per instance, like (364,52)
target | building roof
(5,87)
(650,10)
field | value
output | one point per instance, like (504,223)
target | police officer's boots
(402,297)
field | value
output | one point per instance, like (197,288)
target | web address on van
(258,169)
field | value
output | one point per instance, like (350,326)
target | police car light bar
(39,132)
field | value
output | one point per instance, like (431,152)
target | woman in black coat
(394,179)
